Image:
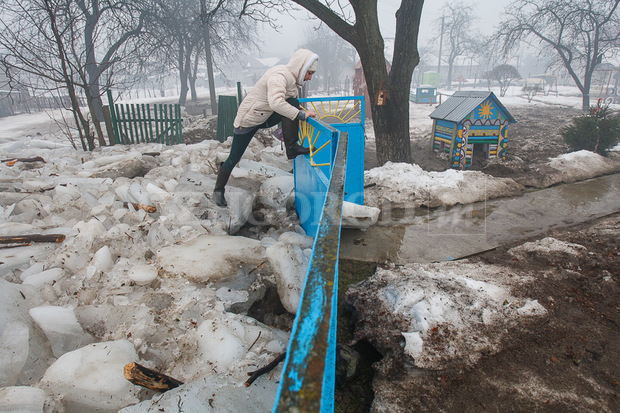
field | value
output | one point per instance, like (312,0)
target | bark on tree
(94,12)
(206,19)
(80,119)
(391,120)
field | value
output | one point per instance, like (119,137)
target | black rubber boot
(289,130)
(220,183)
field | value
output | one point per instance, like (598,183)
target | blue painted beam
(308,376)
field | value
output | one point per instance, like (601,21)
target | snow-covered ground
(171,289)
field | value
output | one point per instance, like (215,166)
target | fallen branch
(30,238)
(212,167)
(13,161)
(145,377)
(148,208)
(256,374)
(257,267)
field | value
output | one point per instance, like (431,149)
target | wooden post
(109,128)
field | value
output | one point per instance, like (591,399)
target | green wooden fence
(145,123)
(226,112)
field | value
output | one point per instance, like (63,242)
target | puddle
(418,235)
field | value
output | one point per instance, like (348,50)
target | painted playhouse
(468,123)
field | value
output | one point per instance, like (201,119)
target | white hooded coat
(269,94)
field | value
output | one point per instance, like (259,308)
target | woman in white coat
(272,100)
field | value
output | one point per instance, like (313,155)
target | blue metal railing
(308,376)
(313,172)
(346,114)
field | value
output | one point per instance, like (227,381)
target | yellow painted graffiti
(337,112)
(307,132)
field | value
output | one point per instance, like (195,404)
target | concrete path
(408,236)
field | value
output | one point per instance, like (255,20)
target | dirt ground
(531,142)
(567,361)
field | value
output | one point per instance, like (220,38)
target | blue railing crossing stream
(307,383)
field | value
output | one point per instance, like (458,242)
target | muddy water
(406,236)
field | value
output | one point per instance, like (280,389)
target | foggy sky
(293,30)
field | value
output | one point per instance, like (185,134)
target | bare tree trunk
(391,120)
(208,56)
(75,105)
(182,61)
(192,79)
(449,81)
(93,72)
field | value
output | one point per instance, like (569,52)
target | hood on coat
(300,62)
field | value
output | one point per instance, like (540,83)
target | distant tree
(71,45)
(458,19)
(579,32)
(425,64)
(109,30)
(208,31)
(176,33)
(504,74)
(596,131)
(336,54)
(486,51)
(357,22)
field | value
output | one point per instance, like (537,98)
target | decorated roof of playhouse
(460,105)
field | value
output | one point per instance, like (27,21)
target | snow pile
(580,165)
(223,254)
(549,250)
(213,394)
(409,185)
(278,192)
(548,245)
(22,399)
(154,287)
(91,379)
(61,328)
(289,258)
(230,340)
(359,216)
(447,313)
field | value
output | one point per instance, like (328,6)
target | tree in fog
(188,32)
(337,56)
(580,33)
(426,64)
(459,37)
(226,34)
(70,47)
(35,56)
(357,23)
(487,51)
(503,75)
(109,30)
(175,37)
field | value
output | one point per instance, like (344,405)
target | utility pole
(209,57)
(440,47)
